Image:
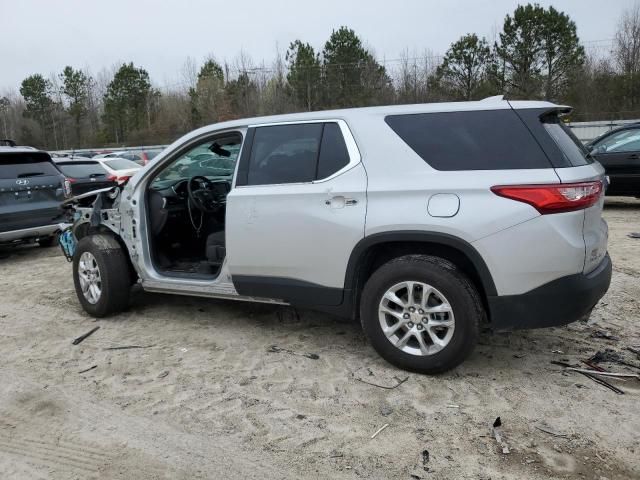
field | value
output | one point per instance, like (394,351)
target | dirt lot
(211,398)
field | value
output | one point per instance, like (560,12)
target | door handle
(340,202)
(633,156)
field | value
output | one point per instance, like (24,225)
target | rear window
(572,149)
(82,169)
(121,164)
(477,140)
(25,165)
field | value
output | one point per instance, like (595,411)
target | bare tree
(627,53)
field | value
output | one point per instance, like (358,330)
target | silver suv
(423,221)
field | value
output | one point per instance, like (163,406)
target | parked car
(619,153)
(423,221)
(120,169)
(31,191)
(141,157)
(86,175)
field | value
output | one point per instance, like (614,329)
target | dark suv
(619,153)
(31,192)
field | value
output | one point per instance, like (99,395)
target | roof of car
(20,149)
(492,103)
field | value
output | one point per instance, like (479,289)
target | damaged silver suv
(423,221)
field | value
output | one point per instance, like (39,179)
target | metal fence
(587,131)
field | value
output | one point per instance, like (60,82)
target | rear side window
(296,153)
(82,169)
(477,140)
(25,165)
(333,151)
(572,149)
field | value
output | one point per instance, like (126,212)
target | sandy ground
(211,398)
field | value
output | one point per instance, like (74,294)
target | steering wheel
(202,196)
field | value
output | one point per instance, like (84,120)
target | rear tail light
(115,178)
(564,197)
(67,186)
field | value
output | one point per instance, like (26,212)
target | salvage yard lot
(238,390)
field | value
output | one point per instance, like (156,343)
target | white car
(121,168)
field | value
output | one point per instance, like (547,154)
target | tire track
(52,454)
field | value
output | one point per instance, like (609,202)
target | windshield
(121,164)
(82,169)
(210,159)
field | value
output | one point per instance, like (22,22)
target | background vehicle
(31,190)
(120,169)
(619,153)
(422,220)
(85,175)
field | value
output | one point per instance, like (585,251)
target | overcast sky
(42,36)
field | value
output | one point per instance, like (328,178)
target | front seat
(215,247)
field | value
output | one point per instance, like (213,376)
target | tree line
(536,55)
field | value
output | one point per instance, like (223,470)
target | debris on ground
(497,434)
(276,349)
(606,374)
(546,429)
(609,355)
(425,459)
(590,374)
(83,337)
(633,235)
(386,387)
(87,369)
(163,374)
(379,430)
(127,347)
(604,335)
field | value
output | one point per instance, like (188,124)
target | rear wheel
(101,275)
(421,313)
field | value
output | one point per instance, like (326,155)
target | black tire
(444,276)
(114,270)
(46,242)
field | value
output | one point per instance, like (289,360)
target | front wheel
(421,313)
(101,275)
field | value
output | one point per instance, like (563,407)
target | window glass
(333,151)
(212,159)
(625,141)
(121,164)
(284,154)
(567,142)
(476,140)
(24,165)
(82,169)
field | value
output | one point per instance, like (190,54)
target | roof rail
(5,142)
(495,98)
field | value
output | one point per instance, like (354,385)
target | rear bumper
(559,302)
(27,233)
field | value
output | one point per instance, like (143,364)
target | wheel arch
(375,250)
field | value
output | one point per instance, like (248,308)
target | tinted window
(624,141)
(333,151)
(82,169)
(284,154)
(571,148)
(24,165)
(484,140)
(121,164)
